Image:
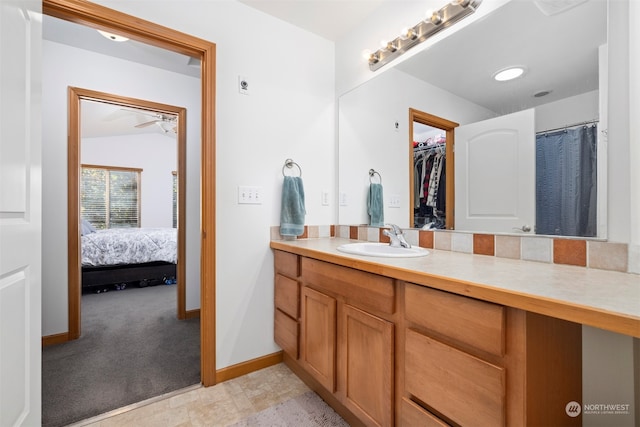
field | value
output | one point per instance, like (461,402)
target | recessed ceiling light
(508,74)
(114,37)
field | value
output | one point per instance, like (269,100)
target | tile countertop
(604,299)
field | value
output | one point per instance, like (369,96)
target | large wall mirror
(562,88)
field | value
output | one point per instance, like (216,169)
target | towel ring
(372,173)
(289,164)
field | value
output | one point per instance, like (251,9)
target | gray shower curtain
(566,182)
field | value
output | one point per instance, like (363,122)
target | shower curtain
(566,182)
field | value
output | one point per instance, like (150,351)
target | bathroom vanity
(445,339)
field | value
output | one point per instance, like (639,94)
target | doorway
(76,97)
(439,142)
(103,18)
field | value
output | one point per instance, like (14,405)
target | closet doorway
(77,99)
(431,136)
(100,17)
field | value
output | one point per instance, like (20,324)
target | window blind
(110,197)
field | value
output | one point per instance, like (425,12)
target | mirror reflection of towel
(292,210)
(375,205)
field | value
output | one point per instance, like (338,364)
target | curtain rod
(590,122)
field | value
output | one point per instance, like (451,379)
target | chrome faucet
(396,236)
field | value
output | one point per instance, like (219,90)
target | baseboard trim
(247,367)
(192,314)
(55,339)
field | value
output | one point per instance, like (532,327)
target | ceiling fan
(165,122)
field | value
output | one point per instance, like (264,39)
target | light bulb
(435,19)
(390,46)
(409,33)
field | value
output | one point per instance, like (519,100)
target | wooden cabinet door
(318,336)
(366,368)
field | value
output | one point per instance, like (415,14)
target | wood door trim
(96,16)
(75,96)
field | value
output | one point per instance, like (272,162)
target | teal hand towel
(292,210)
(375,206)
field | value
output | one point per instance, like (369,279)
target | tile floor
(219,405)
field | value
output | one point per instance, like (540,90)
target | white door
(495,174)
(20,212)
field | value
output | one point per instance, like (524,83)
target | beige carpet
(305,410)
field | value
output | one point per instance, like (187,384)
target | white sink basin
(381,250)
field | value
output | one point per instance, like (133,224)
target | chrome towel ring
(372,173)
(290,164)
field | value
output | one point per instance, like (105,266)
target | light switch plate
(325,197)
(250,195)
(394,201)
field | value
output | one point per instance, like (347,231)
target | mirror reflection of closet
(431,185)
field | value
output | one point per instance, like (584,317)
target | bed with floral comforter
(129,246)
(125,255)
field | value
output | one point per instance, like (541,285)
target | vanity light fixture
(507,74)
(114,37)
(436,21)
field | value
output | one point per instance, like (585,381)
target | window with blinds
(110,196)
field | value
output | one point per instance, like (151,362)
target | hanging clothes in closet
(429,184)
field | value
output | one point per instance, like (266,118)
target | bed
(124,255)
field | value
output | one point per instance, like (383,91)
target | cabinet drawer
(360,289)
(413,415)
(461,387)
(287,295)
(286,333)
(466,320)
(287,264)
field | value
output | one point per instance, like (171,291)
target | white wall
(65,66)
(575,109)
(155,154)
(619,178)
(290,113)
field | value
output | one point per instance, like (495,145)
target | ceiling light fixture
(114,37)
(508,74)
(435,21)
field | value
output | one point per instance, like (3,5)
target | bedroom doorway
(100,17)
(88,112)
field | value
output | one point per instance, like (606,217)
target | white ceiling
(330,19)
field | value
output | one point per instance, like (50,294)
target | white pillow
(86,227)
